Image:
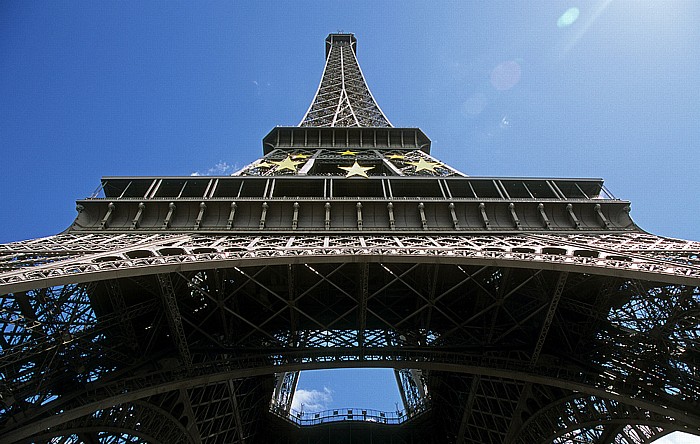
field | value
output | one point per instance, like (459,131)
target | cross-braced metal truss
(343,98)
(568,324)
(90,257)
(520,341)
(330,162)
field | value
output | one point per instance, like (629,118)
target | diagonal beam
(230,311)
(116,297)
(554,302)
(174,318)
(288,303)
(362,307)
(291,296)
(420,295)
(215,282)
(516,419)
(192,427)
(495,304)
(468,406)
(395,278)
(236,411)
(431,296)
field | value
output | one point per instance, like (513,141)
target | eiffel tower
(513,310)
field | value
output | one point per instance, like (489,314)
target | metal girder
(650,257)
(47,343)
(648,304)
(240,301)
(138,390)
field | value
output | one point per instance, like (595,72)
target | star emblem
(263,165)
(397,157)
(286,164)
(348,153)
(356,170)
(423,165)
(299,156)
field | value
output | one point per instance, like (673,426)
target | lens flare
(568,18)
(474,105)
(506,75)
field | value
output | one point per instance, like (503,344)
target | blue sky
(503,88)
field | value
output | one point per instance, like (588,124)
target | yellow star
(348,153)
(299,156)
(286,164)
(263,165)
(422,165)
(397,157)
(356,170)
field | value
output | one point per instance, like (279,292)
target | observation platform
(298,204)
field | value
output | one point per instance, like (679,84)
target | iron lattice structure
(514,310)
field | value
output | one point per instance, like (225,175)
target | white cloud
(312,400)
(220,169)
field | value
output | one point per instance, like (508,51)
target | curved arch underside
(77,258)
(516,324)
(139,420)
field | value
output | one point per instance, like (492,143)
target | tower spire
(343,98)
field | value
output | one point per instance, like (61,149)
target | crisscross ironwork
(512,311)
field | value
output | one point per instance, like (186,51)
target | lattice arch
(580,418)
(519,310)
(136,421)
